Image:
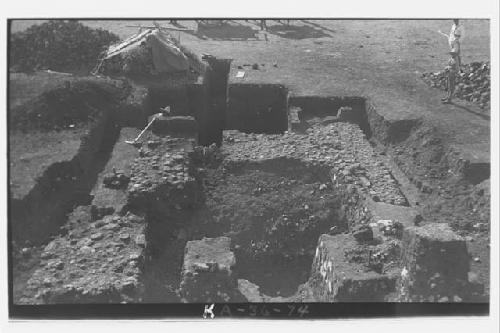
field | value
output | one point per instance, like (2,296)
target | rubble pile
(94,262)
(340,146)
(473,83)
(59,45)
(116,180)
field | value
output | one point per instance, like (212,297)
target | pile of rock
(473,83)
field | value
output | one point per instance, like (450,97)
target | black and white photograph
(250,166)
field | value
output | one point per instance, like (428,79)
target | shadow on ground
(318,26)
(225,31)
(296,32)
(484,116)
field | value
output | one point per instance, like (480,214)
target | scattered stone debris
(116,180)
(86,266)
(97,213)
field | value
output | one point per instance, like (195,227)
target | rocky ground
(272,194)
(341,146)
(95,261)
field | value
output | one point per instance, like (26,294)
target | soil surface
(274,216)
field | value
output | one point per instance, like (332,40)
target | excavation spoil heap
(473,84)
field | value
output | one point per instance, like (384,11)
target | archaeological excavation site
(164,177)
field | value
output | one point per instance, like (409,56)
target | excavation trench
(272,207)
(63,186)
(67,184)
(281,214)
(257,108)
(273,212)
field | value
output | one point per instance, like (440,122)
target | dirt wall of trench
(63,185)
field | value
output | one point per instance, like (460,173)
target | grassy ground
(31,154)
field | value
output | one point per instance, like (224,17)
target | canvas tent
(150,52)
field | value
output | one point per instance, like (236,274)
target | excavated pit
(283,207)
(287,174)
(304,109)
(273,208)
(271,201)
(273,212)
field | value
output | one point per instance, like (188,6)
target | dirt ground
(379,59)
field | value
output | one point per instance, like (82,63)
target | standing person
(454,38)
(263,25)
(451,75)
